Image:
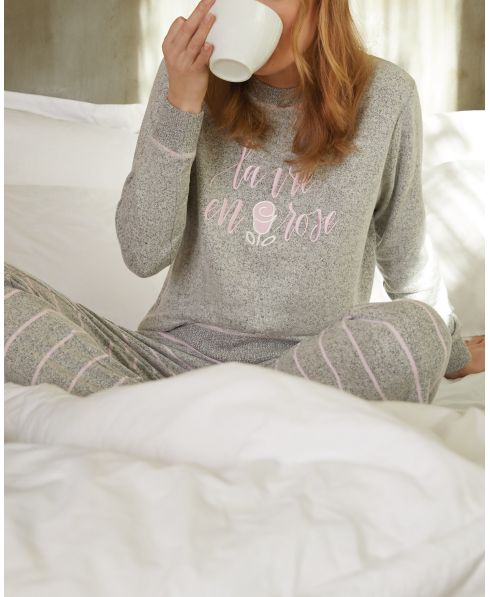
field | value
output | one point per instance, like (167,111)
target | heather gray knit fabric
(49,338)
(254,252)
(265,268)
(394,350)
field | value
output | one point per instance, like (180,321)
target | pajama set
(265,267)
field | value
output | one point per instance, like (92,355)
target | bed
(232,480)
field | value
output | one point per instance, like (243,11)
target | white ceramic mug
(244,35)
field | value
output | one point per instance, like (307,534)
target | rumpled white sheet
(235,480)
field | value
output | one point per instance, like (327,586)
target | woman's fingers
(190,26)
(174,29)
(197,42)
(187,58)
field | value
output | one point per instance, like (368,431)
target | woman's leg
(396,350)
(51,339)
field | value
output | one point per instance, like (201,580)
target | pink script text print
(264,213)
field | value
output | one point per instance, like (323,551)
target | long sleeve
(150,216)
(404,252)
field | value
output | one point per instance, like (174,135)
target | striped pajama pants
(396,350)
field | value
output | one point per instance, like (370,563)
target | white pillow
(66,236)
(448,136)
(455,200)
(48,151)
(454,136)
(122,116)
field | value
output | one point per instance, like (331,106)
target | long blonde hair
(334,73)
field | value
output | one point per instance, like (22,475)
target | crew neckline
(278,96)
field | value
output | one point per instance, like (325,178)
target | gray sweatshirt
(254,248)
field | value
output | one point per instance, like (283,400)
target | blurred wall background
(108,52)
(441,43)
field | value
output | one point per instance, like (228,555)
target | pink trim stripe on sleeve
(179,156)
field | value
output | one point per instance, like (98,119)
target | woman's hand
(476,345)
(186,57)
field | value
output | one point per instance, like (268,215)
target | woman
(270,200)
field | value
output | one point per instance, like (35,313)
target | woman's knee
(424,313)
(410,331)
(432,342)
(413,317)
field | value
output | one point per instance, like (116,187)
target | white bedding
(231,480)
(262,484)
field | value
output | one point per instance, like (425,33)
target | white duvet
(239,481)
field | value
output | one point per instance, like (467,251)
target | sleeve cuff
(460,355)
(176,129)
